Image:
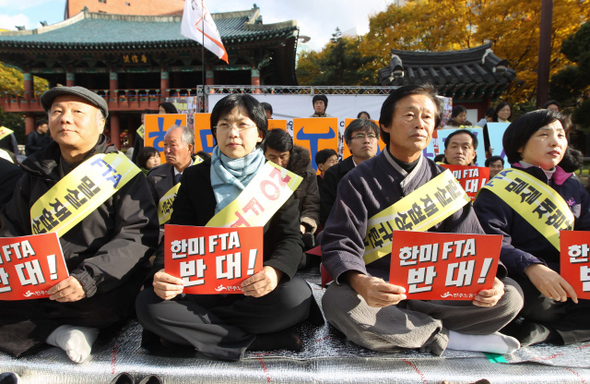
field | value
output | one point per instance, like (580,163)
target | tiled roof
(97,30)
(468,73)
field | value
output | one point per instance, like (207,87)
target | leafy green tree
(339,63)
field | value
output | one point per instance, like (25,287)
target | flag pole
(203,61)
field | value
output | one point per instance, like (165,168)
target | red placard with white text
(471,178)
(574,260)
(444,266)
(30,265)
(212,260)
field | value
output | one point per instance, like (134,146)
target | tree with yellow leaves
(442,25)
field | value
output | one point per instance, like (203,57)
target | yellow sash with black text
(425,207)
(167,201)
(80,192)
(5,132)
(141,131)
(539,204)
(260,200)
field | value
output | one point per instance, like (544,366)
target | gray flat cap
(84,93)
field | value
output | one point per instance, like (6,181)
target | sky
(317,19)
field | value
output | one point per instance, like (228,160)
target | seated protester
(461,148)
(495,164)
(324,159)
(458,117)
(138,142)
(320,104)
(148,158)
(535,143)
(224,326)
(502,114)
(278,147)
(267,109)
(203,155)
(363,115)
(38,138)
(362,138)
(488,117)
(361,303)
(10,173)
(106,252)
(179,143)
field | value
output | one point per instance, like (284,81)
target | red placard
(212,260)
(30,265)
(575,267)
(471,178)
(444,266)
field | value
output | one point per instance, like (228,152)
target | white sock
(76,341)
(494,343)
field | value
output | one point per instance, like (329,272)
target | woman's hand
(490,297)
(376,292)
(550,283)
(66,291)
(262,283)
(166,286)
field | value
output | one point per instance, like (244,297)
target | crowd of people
(115,253)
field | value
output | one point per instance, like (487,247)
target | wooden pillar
(255,78)
(115,134)
(544,66)
(70,78)
(164,82)
(210,77)
(30,123)
(28,85)
(113,86)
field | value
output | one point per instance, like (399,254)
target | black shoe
(123,378)
(151,379)
(9,378)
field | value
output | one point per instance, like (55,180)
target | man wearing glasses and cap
(105,249)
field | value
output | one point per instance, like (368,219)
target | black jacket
(107,247)
(195,205)
(329,188)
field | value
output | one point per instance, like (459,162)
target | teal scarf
(229,176)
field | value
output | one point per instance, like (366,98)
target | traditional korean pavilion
(135,62)
(472,77)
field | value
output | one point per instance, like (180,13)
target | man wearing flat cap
(105,249)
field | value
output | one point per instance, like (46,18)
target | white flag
(193,27)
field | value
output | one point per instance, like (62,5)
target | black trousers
(26,324)
(223,326)
(568,319)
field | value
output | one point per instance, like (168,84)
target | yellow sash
(80,192)
(140,131)
(539,204)
(260,200)
(165,204)
(5,155)
(166,201)
(5,132)
(420,210)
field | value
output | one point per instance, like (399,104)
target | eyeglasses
(362,136)
(225,127)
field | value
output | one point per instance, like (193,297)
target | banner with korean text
(277,124)
(444,266)
(575,262)
(471,178)
(213,260)
(204,140)
(30,265)
(315,134)
(156,127)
